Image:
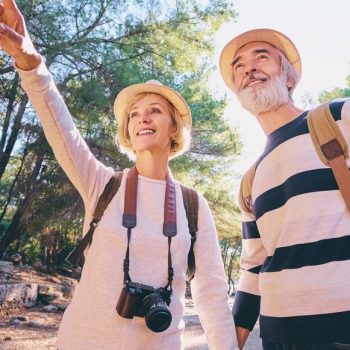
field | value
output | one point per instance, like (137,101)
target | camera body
(140,300)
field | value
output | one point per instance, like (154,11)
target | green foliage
(94,49)
(31,250)
(335,93)
(4,224)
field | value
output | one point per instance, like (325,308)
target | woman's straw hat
(152,86)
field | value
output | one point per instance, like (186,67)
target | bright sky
(320,29)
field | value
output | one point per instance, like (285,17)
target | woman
(153,120)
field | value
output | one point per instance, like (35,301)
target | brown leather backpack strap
(323,129)
(190,199)
(335,156)
(331,146)
(107,195)
(245,190)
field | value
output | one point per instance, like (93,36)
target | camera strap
(130,219)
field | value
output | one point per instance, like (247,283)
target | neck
(151,166)
(274,119)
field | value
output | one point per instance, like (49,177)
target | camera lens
(156,311)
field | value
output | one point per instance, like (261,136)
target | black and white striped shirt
(296,247)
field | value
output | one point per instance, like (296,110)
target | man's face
(258,79)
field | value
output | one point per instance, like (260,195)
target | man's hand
(242,335)
(14,37)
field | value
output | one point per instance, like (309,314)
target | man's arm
(246,306)
(242,336)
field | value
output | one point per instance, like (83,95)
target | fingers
(2,28)
(9,4)
(6,31)
(10,40)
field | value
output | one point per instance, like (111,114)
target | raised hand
(14,37)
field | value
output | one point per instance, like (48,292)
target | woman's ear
(173,129)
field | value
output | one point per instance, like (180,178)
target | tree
(335,93)
(94,49)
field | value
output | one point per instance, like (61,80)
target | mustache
(254,76)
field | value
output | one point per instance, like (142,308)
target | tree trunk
(11,100)
(14,182)
(6,153)
(13,232)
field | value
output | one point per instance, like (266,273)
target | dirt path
(40,334)
(36,328)
(43,336)
(194,338)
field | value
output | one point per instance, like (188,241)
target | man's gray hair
(290,73)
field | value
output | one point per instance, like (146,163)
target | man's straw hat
(270,36)
(151,86)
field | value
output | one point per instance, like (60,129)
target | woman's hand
(14,37)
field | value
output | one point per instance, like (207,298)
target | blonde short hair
(181,137)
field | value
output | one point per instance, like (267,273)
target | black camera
(137,299)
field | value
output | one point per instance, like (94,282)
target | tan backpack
(330,146)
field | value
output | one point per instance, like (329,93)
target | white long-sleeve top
(91,320)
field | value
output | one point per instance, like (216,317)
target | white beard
(263,98)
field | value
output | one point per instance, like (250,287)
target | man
(296,240)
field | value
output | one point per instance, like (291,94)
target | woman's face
(150,125)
